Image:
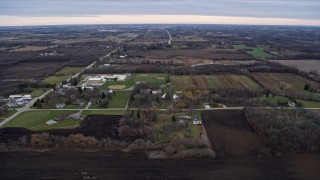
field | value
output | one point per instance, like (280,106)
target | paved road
(170,40)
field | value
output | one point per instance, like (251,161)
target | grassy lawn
(275,99)
(310,104)
(152,79)
(36,120)
(36,92)
(119,100)
(103,112)
(258,53)
(69,71)
(10,113)
(55,79)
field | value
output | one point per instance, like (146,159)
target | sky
(260,12)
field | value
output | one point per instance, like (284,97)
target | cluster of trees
(142,96)
(190,99)
(72,142)
(70,96)
(232,96)
(130,126)
(286,130)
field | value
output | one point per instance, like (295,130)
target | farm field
(214,81)
(30,70)
(230,134)
(255,52)
(36,120)
(152,79)
(55,79)
(171,53)
(287,84)
(36,92)
(30,48)
(69,71)
(120,165)
(304,65)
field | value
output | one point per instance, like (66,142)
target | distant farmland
(214,81)
(230,134)
(287,84)
(304,65)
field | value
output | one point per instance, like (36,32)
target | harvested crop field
(304,65)
(230,134)
(214,81)
(69,71)
(287,84)
(30,70)
(170,53)
(116,165)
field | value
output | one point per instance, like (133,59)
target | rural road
(170,40)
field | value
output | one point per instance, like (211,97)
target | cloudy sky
(41,12)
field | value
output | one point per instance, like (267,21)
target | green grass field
(259,53)
(103,112)
(152,79)
(255,52)
(55,79)
(36,120)
(69,71)
(36,92)
(310,104)
(119,100)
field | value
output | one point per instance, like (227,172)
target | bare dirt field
(170,53)
(304,65)
(30,70)
(116,165)
(230,134)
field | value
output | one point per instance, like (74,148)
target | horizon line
(20,21)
